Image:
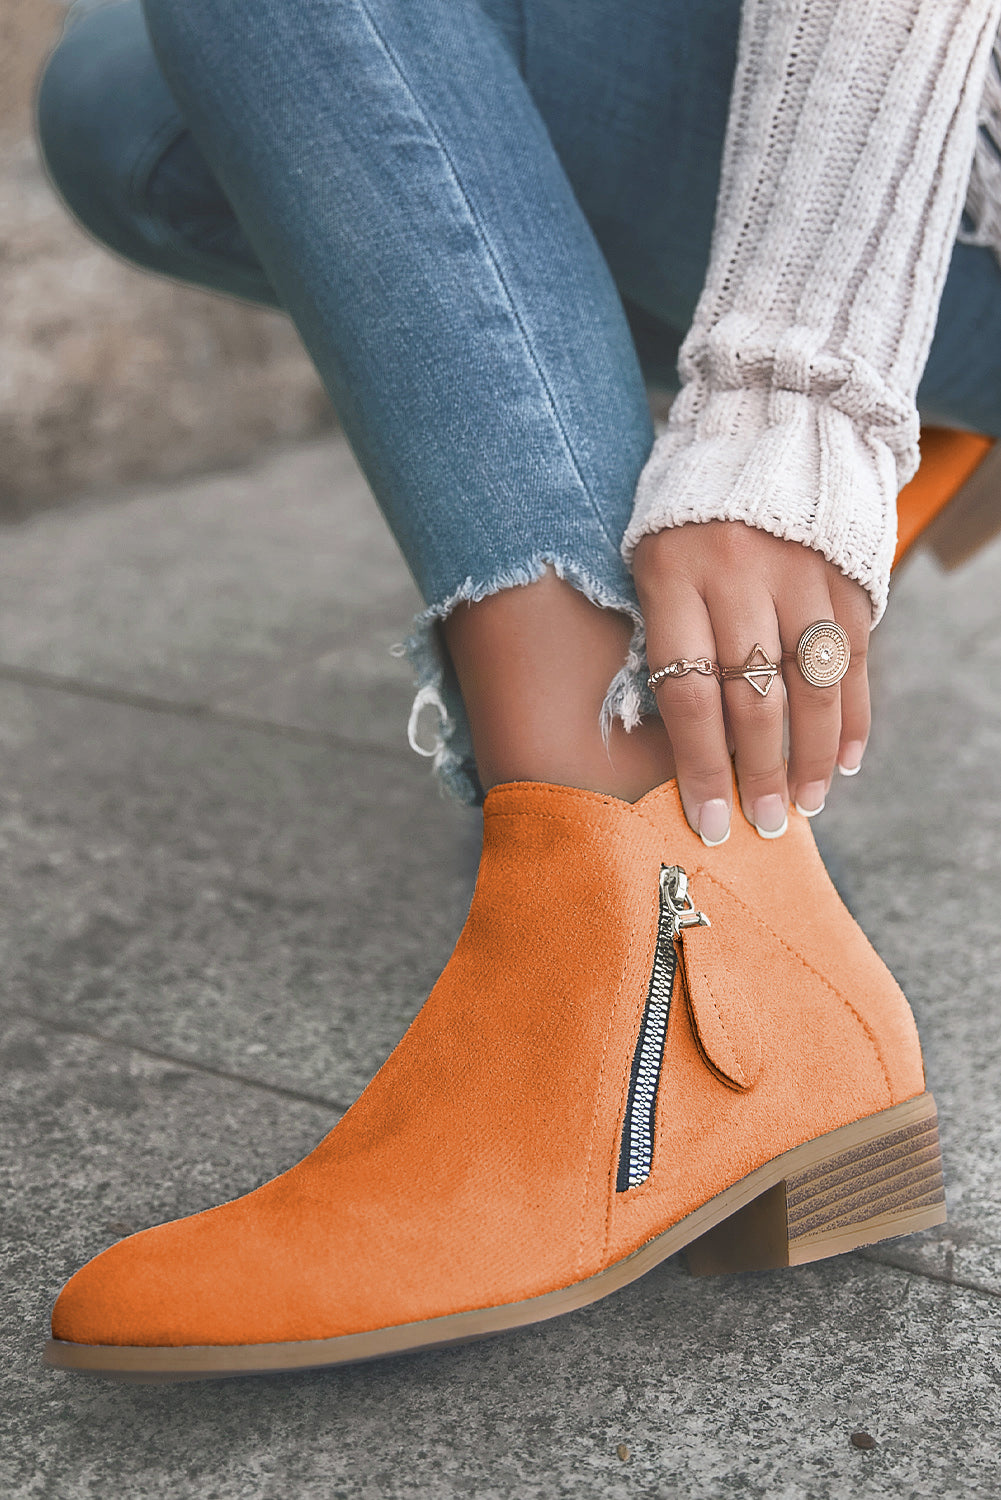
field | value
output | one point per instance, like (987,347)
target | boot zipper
(676,912)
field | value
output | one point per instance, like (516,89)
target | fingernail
(770,816)
(850,763)
(714,822)
(811,798)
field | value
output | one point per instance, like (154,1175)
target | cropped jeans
(489,221)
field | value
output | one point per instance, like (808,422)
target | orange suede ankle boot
(639,1044)
(952,506)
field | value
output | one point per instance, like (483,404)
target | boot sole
(868,1181)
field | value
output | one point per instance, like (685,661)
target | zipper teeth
(636,1154)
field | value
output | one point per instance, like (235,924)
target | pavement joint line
(871,1254)
(187,709)
(252,679)
(123,1044)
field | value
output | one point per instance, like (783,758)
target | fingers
(854,613)
(814,712)
(855,714)
(747,719)
(814,725)
(829,726)
(717,590)
(692,710)
(747,634)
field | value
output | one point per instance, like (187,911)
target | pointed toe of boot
(123,1296)
(252,1271)
(228,1276)
(164,1287)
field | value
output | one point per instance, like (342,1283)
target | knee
(246,44)
(100,103)
(201,34)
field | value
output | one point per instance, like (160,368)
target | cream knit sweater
(852,128)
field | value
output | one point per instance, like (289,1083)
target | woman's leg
(119,150)
(961,384)
(534,666)
(399,188)
(119,153)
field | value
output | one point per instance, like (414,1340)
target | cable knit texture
(852,128)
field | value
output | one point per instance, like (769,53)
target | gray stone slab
(246,901)
(914,842)
(275,910)
(748,1386)
(357,690)
(942,625)
(212,590)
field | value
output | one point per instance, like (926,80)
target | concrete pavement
(227,885)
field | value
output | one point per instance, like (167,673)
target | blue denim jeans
(489,221)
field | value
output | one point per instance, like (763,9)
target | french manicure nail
(811,798)
(770,816)
(714,822)
(850,763)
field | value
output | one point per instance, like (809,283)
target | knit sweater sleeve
(851,131)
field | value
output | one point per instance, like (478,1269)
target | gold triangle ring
(760,674)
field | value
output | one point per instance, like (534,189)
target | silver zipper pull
(674,892)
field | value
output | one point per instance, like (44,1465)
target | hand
(713,589)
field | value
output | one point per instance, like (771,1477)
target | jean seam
(495,265)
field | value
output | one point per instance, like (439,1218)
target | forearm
(851,132)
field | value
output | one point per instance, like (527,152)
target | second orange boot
(952,506)
(639,1044)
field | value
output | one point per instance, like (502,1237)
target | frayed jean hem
(451,750)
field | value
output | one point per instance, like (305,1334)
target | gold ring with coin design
(823,653)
